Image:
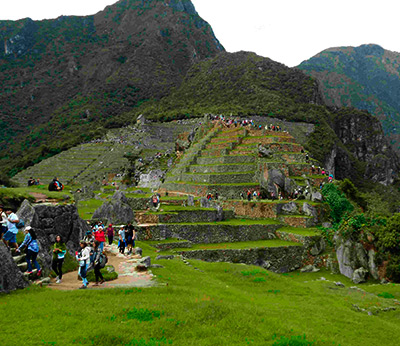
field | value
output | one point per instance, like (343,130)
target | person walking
(3,222)
(121,242)
(32,247)
(100,237)
(10,237)
(97,263)
(110,234)
(59,251)
(84,258)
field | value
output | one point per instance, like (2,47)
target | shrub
(337,201)
(389,236)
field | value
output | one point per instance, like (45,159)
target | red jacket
(100,236)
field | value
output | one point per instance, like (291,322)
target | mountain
(346,141)
(65,80)
(365,77)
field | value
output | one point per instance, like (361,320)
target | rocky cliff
(365,77)
(11,278)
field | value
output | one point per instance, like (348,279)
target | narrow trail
(125,266)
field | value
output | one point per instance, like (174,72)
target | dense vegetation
(65,80)
(365,77)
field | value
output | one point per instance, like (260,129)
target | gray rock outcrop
(116,211)
(152,180)
(49,221)
(11,278)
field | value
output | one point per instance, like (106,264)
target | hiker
(100,237)
(31,181)
(155,200)
(10,237)
(216,195)
(110,234)
(241,195)
(121,242)
(249,195)
(97,257)
(255,195)
(32,250)
(3,222)
(59,251)
(83,257)
(129,234)
(209,196)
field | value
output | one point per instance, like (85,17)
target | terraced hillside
(90,162)
(278,234)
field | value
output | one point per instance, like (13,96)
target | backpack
(103,260)
(20,224)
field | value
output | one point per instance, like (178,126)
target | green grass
(239,245)
(219,304)
(87,208)
(307,232)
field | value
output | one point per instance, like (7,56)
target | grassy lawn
(87,208)
(205,304)
(234,222)
(307,232)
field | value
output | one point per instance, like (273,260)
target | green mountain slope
(348,141)
(365,77)
(64,80)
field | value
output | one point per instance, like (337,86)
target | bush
(339,204)
(389,236)
(393,269)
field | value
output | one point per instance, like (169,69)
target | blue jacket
(32,244)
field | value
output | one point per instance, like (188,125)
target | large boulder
(360,275)
(116,211)
(49,221)
(11,278)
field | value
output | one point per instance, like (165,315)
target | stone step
(199,215)
(300,221)
(224,159)
(23,267)
(228,191)
(276,256)
(267,140)
(220,178)
(214,152)
(226,168)
(19,259)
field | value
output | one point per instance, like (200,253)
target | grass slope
(218,304)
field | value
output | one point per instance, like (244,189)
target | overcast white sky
(288,31)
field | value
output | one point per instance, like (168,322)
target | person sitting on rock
(56,185)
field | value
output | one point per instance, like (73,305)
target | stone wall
(279,260)
(208,233)
(49,221)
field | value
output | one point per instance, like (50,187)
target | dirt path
(42,198)
(124,265)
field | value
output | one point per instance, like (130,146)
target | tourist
(32,250)
(83,257)
(121,242)
(3,222)
(155,200)
(97,263)
(249,195)
(130,230)
(59,251)
(10,237)
(100,237)
(110,234)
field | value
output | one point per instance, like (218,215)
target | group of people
(32,181)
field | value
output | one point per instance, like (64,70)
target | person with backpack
(32,250)
(84,258)
(98,263)
(10,237)
(121,242)
(59,251)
